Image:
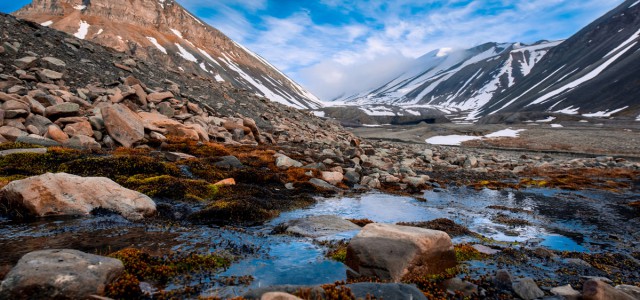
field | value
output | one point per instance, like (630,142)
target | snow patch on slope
(606,113)
(176,32)
(455,140)
(80,7)
(155,43)
(47,23)
(186,54)
(83,30)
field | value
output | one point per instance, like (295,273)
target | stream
(577,221)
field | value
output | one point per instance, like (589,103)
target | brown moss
(504,219)
(195,148)
(257,158)
(611,179)
(140,266)
(442,224)
(360,222)
(466,252)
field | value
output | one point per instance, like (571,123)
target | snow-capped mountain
(162,30)
(457,79)
(595,73)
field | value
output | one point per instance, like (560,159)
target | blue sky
(333,46)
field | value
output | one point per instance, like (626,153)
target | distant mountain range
(162,30)
(595,73)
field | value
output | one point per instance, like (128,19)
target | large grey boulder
(319,226)
(527,289)
(389,252)
(65,194)
(59,274)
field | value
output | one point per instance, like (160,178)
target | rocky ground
(78,121)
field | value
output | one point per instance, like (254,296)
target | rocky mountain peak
(162,30)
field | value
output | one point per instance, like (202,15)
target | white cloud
(334,59)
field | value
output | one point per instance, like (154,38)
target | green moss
(16,145)
(30,164)
(174,188)
(466,252)
(116,167)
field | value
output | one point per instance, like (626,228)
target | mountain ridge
(164,31)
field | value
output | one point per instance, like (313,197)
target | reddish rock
(389,252)
(160,123)
(11,133)
(65,194)
(83,142)
(55,133)
(332,177)
(157,97)
(62,110)
(123,125)
(80,128)
(226,182)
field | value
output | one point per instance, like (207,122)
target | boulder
(15,105)
(11,133)
(83,142)
(39,122)
(319,226)
(319,183)
(60,274)
(160,123)
(594,289)
(122,124)
(455,284)
(62,110)
(285,162)
(65,194)
(503,280)
(527,289)
(25,62)
(332,177)
(369,290)
(166,109)
(55,133)
(278,296)
(80,128)
(566,291)
(632,290)
(53,63)
(389,252)
(229,162)
(159,96)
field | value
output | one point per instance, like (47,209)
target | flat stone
(319,226)
(332,177)
(177,156)
(62,110)
(80,128)
(49,74)
(37,140)
(157,97)
(60,274)
(25,62)
(29,150)
(53,63)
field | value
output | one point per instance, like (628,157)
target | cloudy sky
(333,47)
